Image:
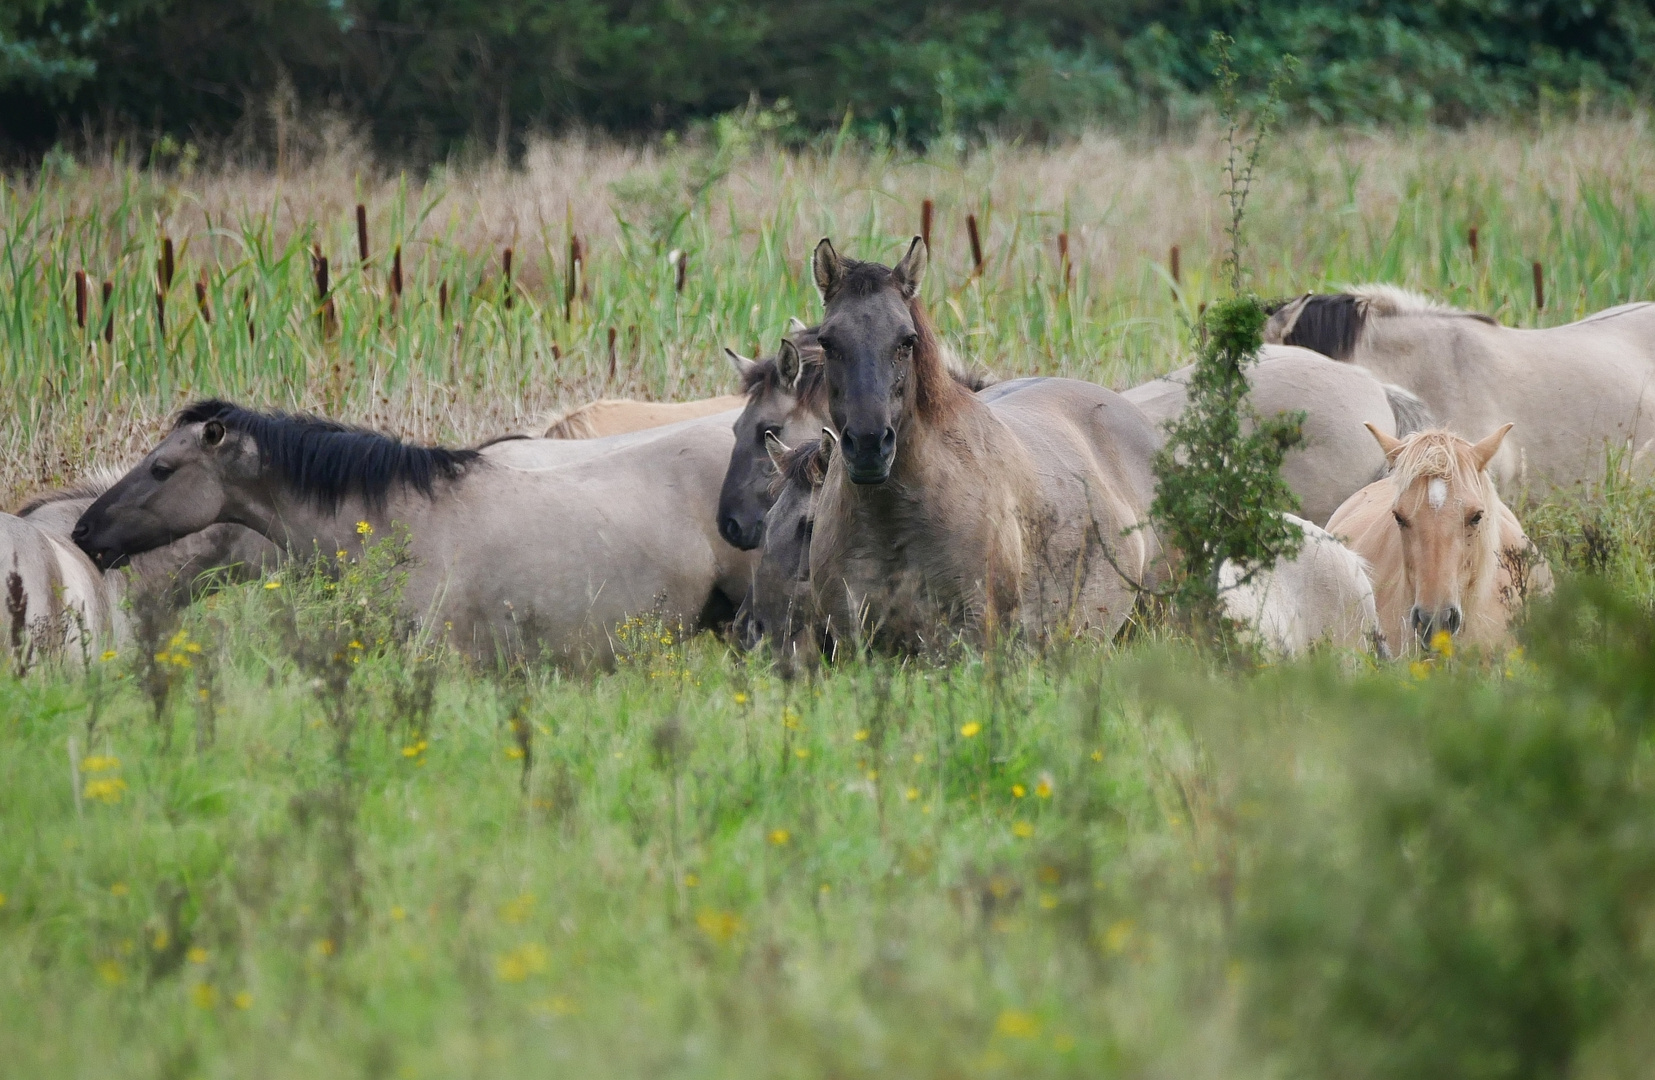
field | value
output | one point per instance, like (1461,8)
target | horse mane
(1332,323)
(576,423)
(90,486)
(326,461)
(797,466)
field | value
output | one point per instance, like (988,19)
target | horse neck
(294,521)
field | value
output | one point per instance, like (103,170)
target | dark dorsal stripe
(326,462)
(1330,325)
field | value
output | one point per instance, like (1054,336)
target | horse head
(785,401)
(880,357)
(1447,514)
(776,605)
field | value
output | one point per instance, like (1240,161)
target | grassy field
(1121,861)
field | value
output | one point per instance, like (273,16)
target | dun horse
(943,513)
(1572,390)
(530,544)
(1446,555)
(620,416)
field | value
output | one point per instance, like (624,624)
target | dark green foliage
(1483,909)
(427,74)
(1219,492)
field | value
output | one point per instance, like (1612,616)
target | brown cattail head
(976,245)
(108,312)
(1471,238)
(442,301)
(166,267)
(362,232)
(201,300)
(1175,263)
(319,268)
(682,268)
(611,354)
(1063,260)
(927,210)
(1539,287)
(572,276)
(505,263)
(330,319)
(80,299)
(396,275)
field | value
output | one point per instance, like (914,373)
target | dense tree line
(426,75)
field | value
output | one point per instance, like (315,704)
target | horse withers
(1447,557)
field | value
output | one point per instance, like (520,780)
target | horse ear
(828,268)
(789,364)
(796,325)
(743,365)
(1279,327)
(911,270)
(1484,451)
(212,433)
(777,449)
(1391,446)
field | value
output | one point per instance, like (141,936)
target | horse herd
(861,490)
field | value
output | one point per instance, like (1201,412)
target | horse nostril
(887,440)
(1417,618)
(80,532)
(1451,621)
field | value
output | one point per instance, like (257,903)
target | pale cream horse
(525,546)
(1571,390)
(1321,596)
(51,596)
(945,512)
(620,416)
(1446,555)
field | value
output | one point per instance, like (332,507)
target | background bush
(428,75)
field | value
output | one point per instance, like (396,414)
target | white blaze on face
(1436,493)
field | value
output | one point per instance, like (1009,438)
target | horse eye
(1401,522)
(1474,520)
(160,472)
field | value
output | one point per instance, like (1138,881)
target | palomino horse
(620,416)
(531,544)
(1445,553)
(1320,596)
(943,513)
(1337,457)
(1570,389)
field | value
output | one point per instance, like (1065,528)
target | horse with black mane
(531,545)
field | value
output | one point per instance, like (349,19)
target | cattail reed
(165,268)
(396,277)
(611,354)
(682,268)
(161,312)
(442,300)
(329,316)
(1175,263)
(1063,263)
(1539,287)
(201,300)
(505,263)
(80,299)
(927,210)
(1471,238)
(572,276)
(976,245)
(108,313)
(362,232)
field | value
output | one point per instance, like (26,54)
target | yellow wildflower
(398,913)
(970,730)
(721,926)
(364,529)
(518,964)
(801,753)
(691,881)
(415,749)
(243,1000)
(94,763)
(110,654)
(1419,669)
(861,735)
(273,583)
(1442,643)
(514,752)
(1097,755)
(780,836)
(326,947)
(556,1005)
(205,995)
(196,955)
(160,940)
(741,699)
(1016,1024)
(111,973)
(341,554)
(1018,791)
(1048,901)
(105,791)
(118,889)
(1118,935)
(1043,787)
(518,908)
(911,794)
(1022,830)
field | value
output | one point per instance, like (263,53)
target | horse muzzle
(868,456)
(1428,624)
(743,536)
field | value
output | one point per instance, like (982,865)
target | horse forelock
(326,461)
(796,466)
(1443,461)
